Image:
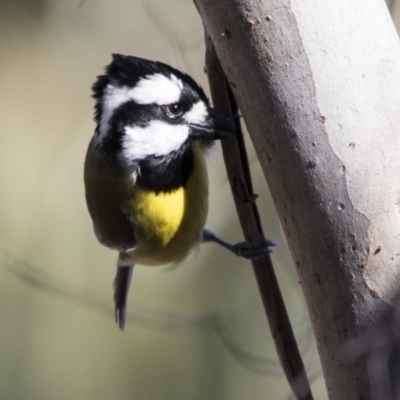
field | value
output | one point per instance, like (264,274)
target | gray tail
(122,283)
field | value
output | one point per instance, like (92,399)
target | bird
(145,173)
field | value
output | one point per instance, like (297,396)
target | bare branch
(240,180)
(319,90)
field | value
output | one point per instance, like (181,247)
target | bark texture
(238,171)
(318,85)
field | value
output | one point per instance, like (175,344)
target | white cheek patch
(153,89)
(197,114)
(158,139)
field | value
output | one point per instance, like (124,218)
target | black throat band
(162,174)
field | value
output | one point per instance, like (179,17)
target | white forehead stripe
(197,113)
(157,88)
(159,138)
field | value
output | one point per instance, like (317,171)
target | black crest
(128,70)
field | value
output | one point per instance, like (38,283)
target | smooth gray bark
(318,84)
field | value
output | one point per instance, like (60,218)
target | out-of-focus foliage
(196,332)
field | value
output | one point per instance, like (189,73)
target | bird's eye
(173,111)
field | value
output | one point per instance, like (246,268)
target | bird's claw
(255,249)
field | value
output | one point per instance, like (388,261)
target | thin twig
(238,171)
(144,317)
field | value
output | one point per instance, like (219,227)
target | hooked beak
(216,126)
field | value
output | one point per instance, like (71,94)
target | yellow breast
(168,225)
(160,215)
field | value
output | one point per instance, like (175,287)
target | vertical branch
(326,133)
(240,181)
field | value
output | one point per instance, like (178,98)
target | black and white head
(149,110)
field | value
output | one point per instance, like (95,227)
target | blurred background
(198,331)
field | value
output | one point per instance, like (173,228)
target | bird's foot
(255,249)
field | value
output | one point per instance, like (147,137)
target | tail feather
(122,283)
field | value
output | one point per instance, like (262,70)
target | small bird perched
(145,172)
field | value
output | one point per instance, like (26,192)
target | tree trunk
(318,84)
